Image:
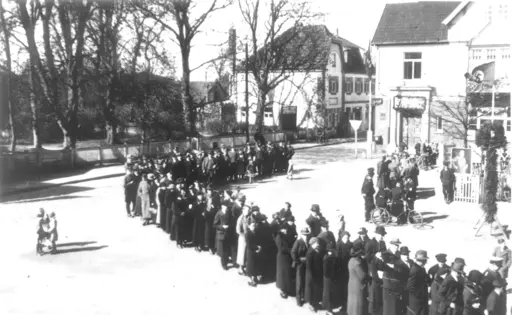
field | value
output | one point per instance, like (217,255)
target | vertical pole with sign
(355,125)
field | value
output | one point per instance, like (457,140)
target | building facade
(437,64)
(326,97)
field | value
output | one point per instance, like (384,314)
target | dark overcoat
(343,257)
(252,254)
(299,251)
(417,287)
(221,236)
(198,229)
(449,292)
(284,270)
(314,276)
(472,294)
(330,296)
(434,295)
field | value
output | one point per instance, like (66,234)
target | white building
(338,84)
(424,50)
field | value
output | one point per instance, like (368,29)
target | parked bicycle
(383,216)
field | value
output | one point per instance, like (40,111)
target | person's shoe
(312,308)
(225,268)
(300,304)
(252,284)
(284,295)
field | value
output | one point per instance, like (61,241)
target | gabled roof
(455,12)
(414,23)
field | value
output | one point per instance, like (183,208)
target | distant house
(212,101)
(333,83)
(432,53)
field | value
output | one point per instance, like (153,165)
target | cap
(459,260)
(362,231)
(315,208)
(371,170)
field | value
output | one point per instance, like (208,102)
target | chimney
(337,32)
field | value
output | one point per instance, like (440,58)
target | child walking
(52,232)
(42,227)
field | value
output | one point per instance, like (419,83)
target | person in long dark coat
(199,209)
(357,300)
(130,185)
(343,248)
(179,210)
(417,286)
(330,292)
(441,262)
(434,289)
(314,274)
(284,271)
(209,216)
(450,292)
(253,249)
(221,224)
(299,251)
(162,211)
(314,221)
(472,294)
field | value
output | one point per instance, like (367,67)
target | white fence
(468,188)
(116,153)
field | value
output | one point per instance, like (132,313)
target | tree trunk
(7,34)
(36,140)
(188,104)
(260,111)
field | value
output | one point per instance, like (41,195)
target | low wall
(36,160)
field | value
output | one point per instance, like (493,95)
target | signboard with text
(416,103)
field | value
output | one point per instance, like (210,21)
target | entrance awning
(410,106)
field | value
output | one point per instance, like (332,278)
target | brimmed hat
(459,260)
(362,231)
(499,283)
(458,267)
(371,170)
(395,241)
(421,255)
(305,231)
(441,258)
(380,230)
(404,250)
(315,208)
(344,233)
(475,276)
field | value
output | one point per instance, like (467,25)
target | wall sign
(415,103)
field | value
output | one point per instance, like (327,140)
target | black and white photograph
(255,157)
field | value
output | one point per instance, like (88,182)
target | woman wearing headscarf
(314,274)
(472,294)
(357,299)
(284,272)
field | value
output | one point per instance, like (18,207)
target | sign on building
(416,103)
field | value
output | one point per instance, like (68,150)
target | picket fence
(37,159)
(468,188)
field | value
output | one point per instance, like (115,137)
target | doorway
(411,130)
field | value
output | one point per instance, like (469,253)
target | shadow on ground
(78,249)
(46,194)
(425,193)
(430,219)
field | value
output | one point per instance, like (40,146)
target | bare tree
(68,45)
(457,116)
(6,25)
(287,45)
(184,29)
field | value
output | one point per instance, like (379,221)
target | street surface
(111,264)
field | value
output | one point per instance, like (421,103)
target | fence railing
(30,160)
(468,188)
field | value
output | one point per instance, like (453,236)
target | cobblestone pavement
(122,267)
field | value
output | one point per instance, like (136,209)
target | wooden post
(100,159)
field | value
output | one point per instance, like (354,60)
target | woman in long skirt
(285,273)
(253,249)
(143,194)
(241,227)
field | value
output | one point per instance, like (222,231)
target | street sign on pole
(355,125)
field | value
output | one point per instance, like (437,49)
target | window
(334,85)
(412,65)
(373,86)
(491,54)
(505,53)
(439,124)
(366,86)
(357,113)
(332,59)
(268,112)
(359,85)
(496,12)
(476,54)
(488,13)
(349,85)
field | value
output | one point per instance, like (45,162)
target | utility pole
(247,92)
(370,131)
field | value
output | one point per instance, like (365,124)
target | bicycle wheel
(415,218)
(380,216)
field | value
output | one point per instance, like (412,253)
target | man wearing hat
(434,289)
(376,243)
(221,224)
(314,220)
(362,237)
(299,251)
(504,252)
(325,235)
(451,290)
(130,185)
(402,268)
(490,275)
(447,179)
(441,262)
(392,292)
(367,190)
(373,246)
(496,303)
(417,285)
(395,246)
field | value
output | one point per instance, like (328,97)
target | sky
(353,20)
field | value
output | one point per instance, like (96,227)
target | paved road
(124,268)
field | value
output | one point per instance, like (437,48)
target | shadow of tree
(46,194)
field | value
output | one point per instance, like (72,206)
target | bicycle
(382,216)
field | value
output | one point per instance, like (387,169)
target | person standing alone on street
(367,190)
(447,179)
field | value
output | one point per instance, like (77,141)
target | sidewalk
(79,176)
